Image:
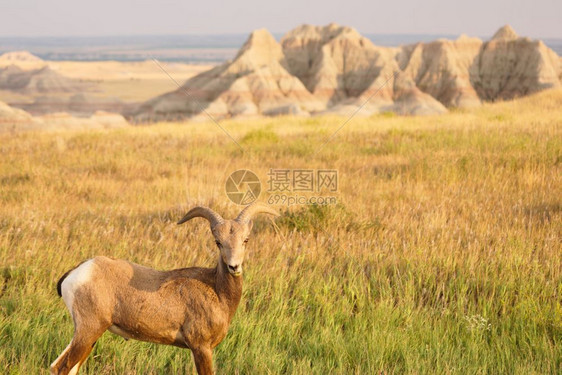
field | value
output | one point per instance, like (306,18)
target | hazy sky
(539,18)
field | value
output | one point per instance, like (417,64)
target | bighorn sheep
(188,307)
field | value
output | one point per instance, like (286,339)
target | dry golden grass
(443,254)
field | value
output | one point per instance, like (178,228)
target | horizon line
(274,33)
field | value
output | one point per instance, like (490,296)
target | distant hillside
(333,69)
(41,80)
(18,56)
(10,116)
(15,120)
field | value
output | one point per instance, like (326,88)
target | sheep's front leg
(203,358)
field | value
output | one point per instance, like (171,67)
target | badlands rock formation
(333,69)
(255,82)
(41,80)
(345,70)
(509,66)
(333,62)
(441,69)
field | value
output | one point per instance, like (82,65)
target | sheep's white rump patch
(74,280)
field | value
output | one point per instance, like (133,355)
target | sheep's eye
(218,243)
(246,240)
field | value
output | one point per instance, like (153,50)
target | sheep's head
(231,236)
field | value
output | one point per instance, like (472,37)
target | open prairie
(442,255)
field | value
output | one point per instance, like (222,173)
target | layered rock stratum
(41,80)
(333,69)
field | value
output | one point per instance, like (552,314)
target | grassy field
(442,256)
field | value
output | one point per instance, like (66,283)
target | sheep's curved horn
(205,212)
(255,208)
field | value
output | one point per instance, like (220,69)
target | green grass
(443,254)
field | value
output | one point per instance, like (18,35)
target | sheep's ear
(250,224)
